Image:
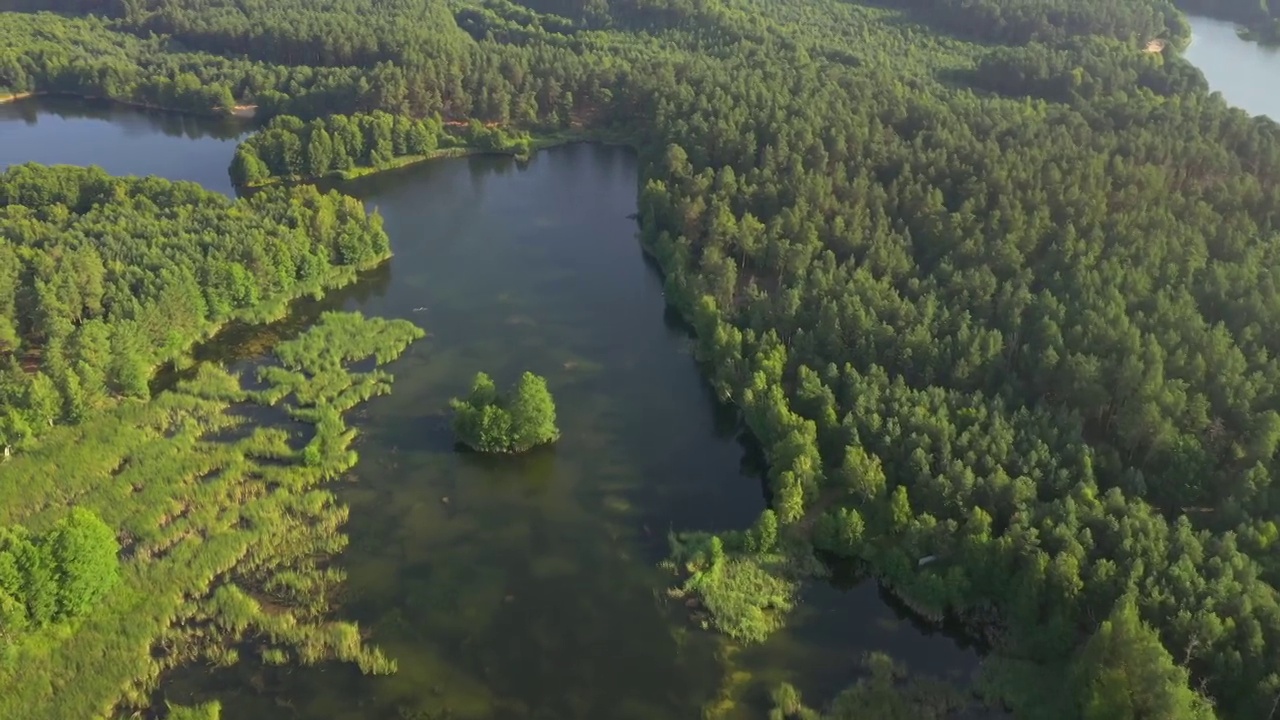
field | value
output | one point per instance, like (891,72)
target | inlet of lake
(527,588)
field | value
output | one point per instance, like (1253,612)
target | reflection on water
(526,588)
(1244,72)
(123,140)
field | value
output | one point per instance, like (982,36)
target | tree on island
(492,423)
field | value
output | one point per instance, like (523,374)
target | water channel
(526,588)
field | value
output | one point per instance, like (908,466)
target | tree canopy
(56,575)
(490,422)
(104,278)
(1124,673)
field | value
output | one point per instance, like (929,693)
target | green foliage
(230,537)
(497,139)
(340,144)
(205,711)
(84,551)
(1021,21)
(288,148)
(1008,304)
(1124,673)
(339,338)
(887,693)
(56,575)
(104,278)
(487,421)
(746,595)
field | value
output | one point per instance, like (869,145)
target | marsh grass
(227,544)
(745,595)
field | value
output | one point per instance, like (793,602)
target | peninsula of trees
(989,283)
(490,422)
(347,146)
(104,278)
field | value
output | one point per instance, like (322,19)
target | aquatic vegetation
(205,711)
(746,595)
(227,535)
(489,422)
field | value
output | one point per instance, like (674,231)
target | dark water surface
(518,588)
(122,140)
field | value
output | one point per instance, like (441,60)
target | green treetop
(489,422)
(1124,673)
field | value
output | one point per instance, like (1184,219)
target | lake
(522,588)
(1246,73)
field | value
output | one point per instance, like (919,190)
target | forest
(102,279)
(989,284)
(344,146)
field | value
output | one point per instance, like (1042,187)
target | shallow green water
(526,588)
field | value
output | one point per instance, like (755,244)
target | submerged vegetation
(490,422)
(227,532)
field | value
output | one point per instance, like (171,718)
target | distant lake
(1246,73)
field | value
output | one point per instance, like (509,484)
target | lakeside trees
(491,422)
(1261,17)
(55,575)
(287,147)
(103,278)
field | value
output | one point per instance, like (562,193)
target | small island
(492,423)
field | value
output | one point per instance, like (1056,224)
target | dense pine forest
(994,287)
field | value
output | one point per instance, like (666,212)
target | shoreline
(239,113)
(539,143)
